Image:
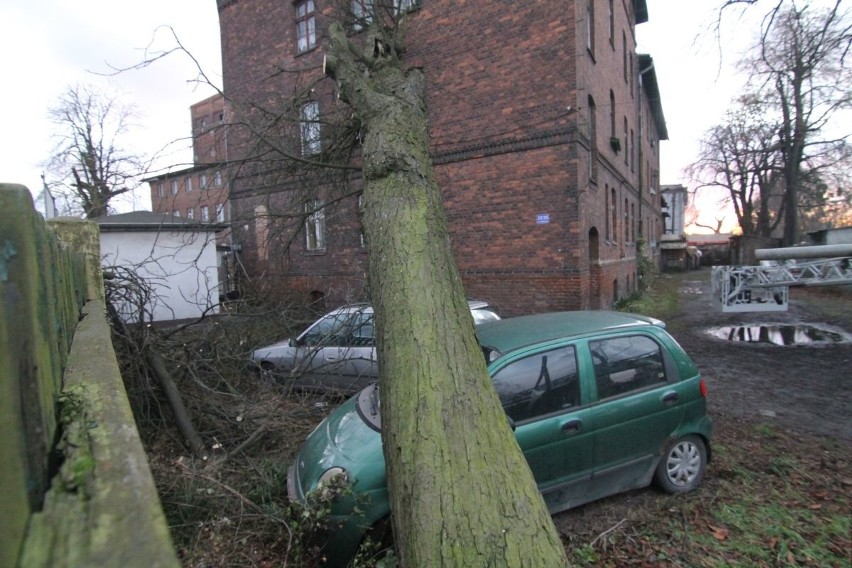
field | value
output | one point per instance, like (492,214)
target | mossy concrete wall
(76,488)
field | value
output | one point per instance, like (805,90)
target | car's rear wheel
(683,465)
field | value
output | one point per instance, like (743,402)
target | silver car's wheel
(682,466)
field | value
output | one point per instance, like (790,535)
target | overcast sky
(48,45)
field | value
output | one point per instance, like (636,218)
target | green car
(600,402)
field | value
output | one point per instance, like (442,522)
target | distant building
(199,192)
(673,201)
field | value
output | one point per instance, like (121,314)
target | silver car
(337,353)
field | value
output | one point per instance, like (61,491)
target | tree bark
(461,491)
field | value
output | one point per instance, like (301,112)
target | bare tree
(89,166)
(772,151)
(741,156)
(462,493)
(801,72)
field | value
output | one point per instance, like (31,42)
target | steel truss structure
(765,288)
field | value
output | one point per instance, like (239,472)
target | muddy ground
(801,388)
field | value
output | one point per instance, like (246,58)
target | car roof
(367,308)
(512,333)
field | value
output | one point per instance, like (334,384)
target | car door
(636,409)
(353,361)
(541,393)
(320,351)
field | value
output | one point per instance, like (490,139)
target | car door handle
(572,426)
(670,398)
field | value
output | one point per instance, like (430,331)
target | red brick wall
(508,91)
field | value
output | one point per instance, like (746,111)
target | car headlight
(330,475)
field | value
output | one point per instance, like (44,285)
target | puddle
(781,334)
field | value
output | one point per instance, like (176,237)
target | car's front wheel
(683,465)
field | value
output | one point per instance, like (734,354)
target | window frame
(310,133)
(590,27)
(315,226)
(663,361)
(581,399)
(362,14)
(306,25)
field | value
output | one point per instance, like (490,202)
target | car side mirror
(295,343)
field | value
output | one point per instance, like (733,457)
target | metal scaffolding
(764,288)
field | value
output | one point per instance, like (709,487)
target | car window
(361,330)
(328,330)
(482,315)
(625,364)
(539,384)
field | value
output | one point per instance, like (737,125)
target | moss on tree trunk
(462,493)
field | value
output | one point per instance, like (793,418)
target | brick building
(544,130)
(199,192)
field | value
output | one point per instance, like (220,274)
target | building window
(160,190)
(220,213)
(176,213)
(626,222)
(190,213)
(202,181)
(626,149)
(590,26)
(593,140)
(403,6)
(624,54)
(633,222)
(205,214)
(632,151)
(631,76)
(310,128)
(188,184)
(306,34)
(363,241)
(612,23)
(314,226)
(613,213)
(362,14)
(611,114)
(217,179)
(174,187)
(607,228)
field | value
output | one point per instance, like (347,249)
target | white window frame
(202,181)
(309,128)
(190,213)
(188,183)
(217,179)
(220,213)
(174,187)
(205,214)
(161,190)
(306,27)
(314,226)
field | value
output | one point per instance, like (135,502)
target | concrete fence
(75,486)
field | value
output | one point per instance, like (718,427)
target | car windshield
(338,325)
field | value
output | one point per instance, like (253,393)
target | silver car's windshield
(337,326)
